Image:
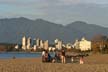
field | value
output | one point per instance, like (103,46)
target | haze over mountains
(13,29)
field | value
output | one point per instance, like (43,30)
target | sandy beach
(93,63)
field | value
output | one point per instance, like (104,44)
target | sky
(57,11)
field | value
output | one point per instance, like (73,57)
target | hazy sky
(58,11)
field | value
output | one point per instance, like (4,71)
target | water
(21,55)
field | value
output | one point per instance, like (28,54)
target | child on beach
(72,59)
(81,60)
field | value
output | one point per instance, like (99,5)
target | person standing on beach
(63,59)
(72,59)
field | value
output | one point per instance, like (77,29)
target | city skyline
(58,44)
(58,11)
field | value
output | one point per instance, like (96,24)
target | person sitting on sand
(43,56)
(46,56)
(53,60)
(43,53)
(49,58)
(57,56)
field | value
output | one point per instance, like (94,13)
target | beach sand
(93,63)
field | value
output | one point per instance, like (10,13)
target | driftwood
(72,54)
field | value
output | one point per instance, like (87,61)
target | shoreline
(20,52)
(93,59)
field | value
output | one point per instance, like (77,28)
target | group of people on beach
(46,57)
(58,56)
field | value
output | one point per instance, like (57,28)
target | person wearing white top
(43,53)
(43,56)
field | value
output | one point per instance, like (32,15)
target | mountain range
(13,29)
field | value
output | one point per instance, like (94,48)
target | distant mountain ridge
(13,29)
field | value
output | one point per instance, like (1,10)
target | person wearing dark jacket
(63,59)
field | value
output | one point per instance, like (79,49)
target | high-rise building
(29,43)
(38,42)
(76,44)
(58,44)
(41,44)
(34,47)
(56,41)
(46,45)
(34,41)
(68,46)
(24,43)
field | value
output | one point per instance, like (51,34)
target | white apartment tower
(68,46)
(29,43)
(41,44)
(34,47)
(38,42)
(56,41)
(58,44)
(76,44)
(83,45)
(24,43)
(46,45)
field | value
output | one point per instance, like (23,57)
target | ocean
(21,55)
